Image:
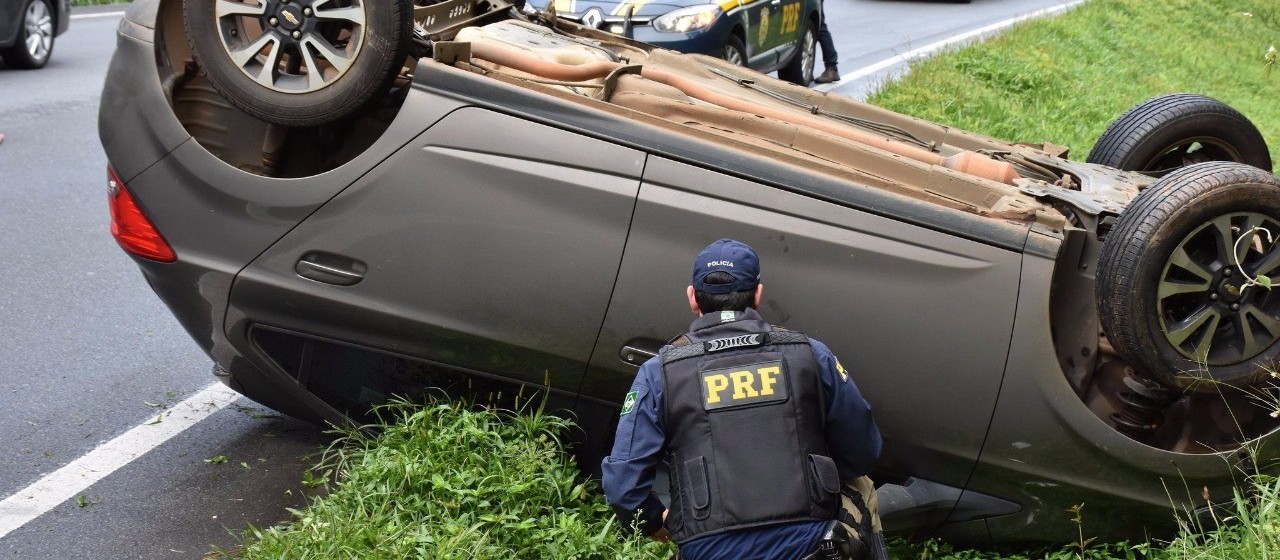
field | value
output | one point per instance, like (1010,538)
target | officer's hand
(663,535)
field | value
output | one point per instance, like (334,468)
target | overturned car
(501,198)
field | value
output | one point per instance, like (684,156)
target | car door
(920,318)
(787,21)
(488,245)
(11,20)
(755,18)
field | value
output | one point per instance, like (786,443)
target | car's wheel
(800,70)
(1179,293)
(299,62)
(35,37)
(735,51)
(1175,130)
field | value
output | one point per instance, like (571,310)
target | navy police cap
(727,255)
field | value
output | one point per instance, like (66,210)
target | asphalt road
(85,346)
(87,352)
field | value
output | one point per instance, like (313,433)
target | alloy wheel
(39,26)
(807,57)
(1211,309)
(734,56)
(292,46)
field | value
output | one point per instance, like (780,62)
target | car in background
(28,29)
(764,35)
(511,206)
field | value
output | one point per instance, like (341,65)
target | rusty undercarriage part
(966,161)
(1144,402)
(1178,421)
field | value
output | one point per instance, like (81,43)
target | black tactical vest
(745,412)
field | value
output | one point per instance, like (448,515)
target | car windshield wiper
(882,128)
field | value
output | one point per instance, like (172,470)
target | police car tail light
(131,227)
(688,19)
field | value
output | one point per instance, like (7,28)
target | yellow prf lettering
(767,379)
(742,388)
(716,384)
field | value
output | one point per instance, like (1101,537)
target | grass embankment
(449,482)
(445,481)
(1064,79)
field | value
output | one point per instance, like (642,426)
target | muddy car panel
(830,268)
(1043,447)
(489,253)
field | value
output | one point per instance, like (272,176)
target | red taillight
(131,228)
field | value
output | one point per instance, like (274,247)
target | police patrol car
(765,35)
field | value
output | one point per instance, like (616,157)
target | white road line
(97,15)
(65,483)
(945,43)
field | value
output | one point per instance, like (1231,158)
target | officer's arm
(852,434)
(627,474)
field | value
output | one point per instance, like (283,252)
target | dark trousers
(828,46)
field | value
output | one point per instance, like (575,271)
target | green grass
(444,480)
(1064,79)
(450,481)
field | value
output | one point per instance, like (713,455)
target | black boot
(830,74)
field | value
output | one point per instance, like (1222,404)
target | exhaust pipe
(968,162)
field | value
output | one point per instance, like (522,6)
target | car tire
(799,70)
(35,37)
(1171,301)
(295,94)
(1171,131)
(735,51)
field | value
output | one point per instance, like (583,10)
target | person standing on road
(759,427)
(829,56)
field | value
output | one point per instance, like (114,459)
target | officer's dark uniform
(758,427)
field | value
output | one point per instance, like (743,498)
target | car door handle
(330,268)
(635,355)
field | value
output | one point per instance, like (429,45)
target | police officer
(830,58)
(759,427)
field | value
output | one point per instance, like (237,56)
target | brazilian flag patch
(629,404)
